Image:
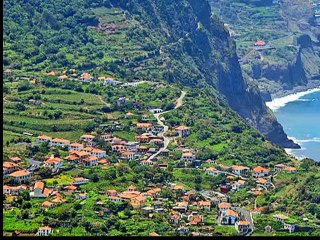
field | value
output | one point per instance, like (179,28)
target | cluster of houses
(260,174)
(186,211)
(87,78)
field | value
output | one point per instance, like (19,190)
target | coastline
(312,84)
(279,102)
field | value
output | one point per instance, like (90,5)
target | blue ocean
(301,121)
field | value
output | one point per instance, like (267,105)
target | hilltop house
(131,146)
(264,182)
(90,161)
(290,169)
(121,101)
(206,205)
(156,110)
(279,167)
(86,78)
(98,153)
(144,127)
(111,192)
(128,155)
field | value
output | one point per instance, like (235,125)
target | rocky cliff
(202,54)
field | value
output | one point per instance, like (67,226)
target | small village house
(15,160)
(21,176)
(44,231)
(183,131)
(229,217)
(14,190)
(80,181)
(242,226)
(212,171)
(240,170)
(223,206)
(98,153)
(87,137)
(9,167)
(44,139)
(54,163)
(39,190)
(188,157)
(59,142)
(237,185)
(138,202)
(260,172)
(76,146)
(205,205)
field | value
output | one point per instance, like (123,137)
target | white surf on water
(299,115)
(277,103)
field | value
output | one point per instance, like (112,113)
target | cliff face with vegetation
(203,45)
(291,56)
(178,41)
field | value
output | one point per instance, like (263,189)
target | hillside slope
(177,41)
(291,55)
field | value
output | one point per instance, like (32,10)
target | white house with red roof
(87,137)
(237,185)
(183,131)
(260,172)
(9,167)
(43,139)
(76,146)
(21,176)
(54,163)
(40,191)
(59,142)
(240,170)
(213,171)
(98,153)
(229,217)
(80,180)
(188,157)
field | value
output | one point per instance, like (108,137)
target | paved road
(247,216)
(33,164)
(160,122)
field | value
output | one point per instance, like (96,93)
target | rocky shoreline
(282,93)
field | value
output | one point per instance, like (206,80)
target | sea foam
(277,103)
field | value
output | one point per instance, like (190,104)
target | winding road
(166,140)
